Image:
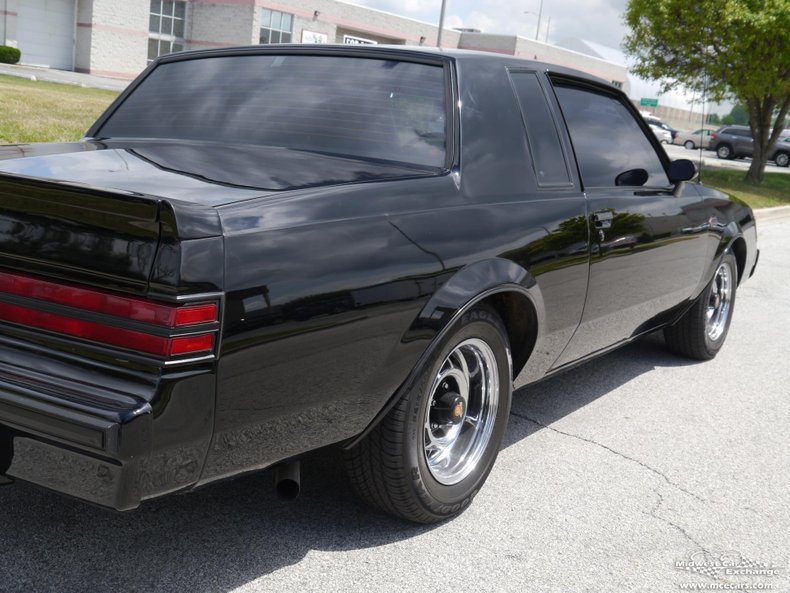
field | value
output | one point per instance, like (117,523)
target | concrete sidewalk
(766,214)
(63,77)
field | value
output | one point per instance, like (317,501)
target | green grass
(33,111)
(774,190)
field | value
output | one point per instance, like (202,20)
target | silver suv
(732,142)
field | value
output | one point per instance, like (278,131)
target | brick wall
(221,24)
(336,19)
(8,14)
(112,37)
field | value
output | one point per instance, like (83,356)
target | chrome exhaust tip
(287,480)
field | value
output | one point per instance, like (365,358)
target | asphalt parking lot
(610,475)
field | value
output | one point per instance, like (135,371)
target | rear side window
(370,108)
(607,138)
(548,159)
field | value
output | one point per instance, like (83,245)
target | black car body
(182,302)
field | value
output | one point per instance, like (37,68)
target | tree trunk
(760,113)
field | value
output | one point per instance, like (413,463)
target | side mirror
(637,177)
(681,170)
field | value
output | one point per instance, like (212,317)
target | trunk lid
(80,234)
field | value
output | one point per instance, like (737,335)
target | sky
(595,20)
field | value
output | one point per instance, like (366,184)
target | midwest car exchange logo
(730,569)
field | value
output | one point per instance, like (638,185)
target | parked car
(258,252)
(731,142)
(696,139)
(661,134)
(656,121)
(781,152)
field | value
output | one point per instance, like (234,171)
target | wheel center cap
(459,410)
(450,408)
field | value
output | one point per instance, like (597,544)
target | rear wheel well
(521,322)
(739,251)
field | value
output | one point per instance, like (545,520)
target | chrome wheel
(462,410)
(718,310)
(723,152)
(689,145)
(782,159)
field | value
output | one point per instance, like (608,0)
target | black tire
(782,159)
(724,151)
(389,468)
(689,145)
(691,335)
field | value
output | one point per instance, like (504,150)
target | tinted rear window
(372,108)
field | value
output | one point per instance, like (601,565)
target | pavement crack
(650,468)
(654,513)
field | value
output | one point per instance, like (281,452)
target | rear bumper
(101,444)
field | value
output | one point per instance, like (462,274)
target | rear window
(359,107)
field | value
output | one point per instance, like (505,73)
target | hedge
(9,55)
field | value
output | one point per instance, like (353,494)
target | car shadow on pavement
(545,402)
(227,535)
(213,540)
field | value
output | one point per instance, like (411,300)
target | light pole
(539,14)
(441,24)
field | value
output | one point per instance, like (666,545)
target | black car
(259,252)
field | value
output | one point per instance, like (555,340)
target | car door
(744,144)
(648,248)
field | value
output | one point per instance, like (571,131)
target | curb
(770,214)
(64,77)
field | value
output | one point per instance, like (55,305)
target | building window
(166,24)
(275,26)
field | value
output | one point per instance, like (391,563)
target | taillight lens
(161,339)
(713,136)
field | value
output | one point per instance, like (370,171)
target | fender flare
(459,294)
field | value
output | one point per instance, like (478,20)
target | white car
(661,134)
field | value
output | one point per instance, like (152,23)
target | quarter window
(276,27)
(166,26)
(548,159)
(607,138)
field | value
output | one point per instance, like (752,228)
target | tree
(730,49)
(740,114)
(714,119)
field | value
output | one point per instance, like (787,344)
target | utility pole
(538,14)
(441,23)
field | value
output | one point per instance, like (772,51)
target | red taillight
(132,308)
(141,311)
(195,315)
(191,344)
(713,136)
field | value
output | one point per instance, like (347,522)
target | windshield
(360,107)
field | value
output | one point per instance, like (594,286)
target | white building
(117,38)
